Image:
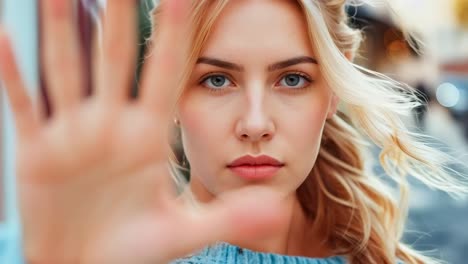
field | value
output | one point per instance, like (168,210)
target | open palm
(93,180)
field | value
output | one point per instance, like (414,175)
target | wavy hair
(354,207)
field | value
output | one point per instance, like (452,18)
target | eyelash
(229,78)
(212,74)
(301,74)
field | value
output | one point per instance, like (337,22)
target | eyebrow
(273,67)
(290,62)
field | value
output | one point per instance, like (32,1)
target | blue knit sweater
(224,253)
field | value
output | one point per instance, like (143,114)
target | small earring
(176,122)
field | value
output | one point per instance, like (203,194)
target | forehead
(255,27)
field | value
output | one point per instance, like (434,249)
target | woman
(277,172)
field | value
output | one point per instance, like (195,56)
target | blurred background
(434,60)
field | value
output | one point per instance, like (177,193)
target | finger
(120,39)
(229,219)
(21,103)
(163,236)
(166,59)
(61,54)
(239,216)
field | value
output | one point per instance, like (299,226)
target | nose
(255,123)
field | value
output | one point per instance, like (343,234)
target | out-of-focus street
(436,63)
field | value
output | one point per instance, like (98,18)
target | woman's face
(255,90)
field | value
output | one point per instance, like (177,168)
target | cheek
(202,130)
(195,128)
(304,132)
(307,119)
(308,130)
(313,123)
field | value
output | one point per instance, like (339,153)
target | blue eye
(216,81)
(294,80)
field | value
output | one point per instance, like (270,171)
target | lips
(255,168)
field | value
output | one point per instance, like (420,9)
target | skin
(93,184)
(230,111)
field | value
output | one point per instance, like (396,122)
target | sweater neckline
(226,250)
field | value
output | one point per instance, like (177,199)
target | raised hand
(93,179)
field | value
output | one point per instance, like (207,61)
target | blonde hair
(355,209)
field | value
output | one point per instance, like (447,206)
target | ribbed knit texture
(223,253)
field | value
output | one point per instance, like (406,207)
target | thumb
(237,217)
(241,215)
(249,213)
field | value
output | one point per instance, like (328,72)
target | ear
(333,106)
(176,117)
(349,55)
